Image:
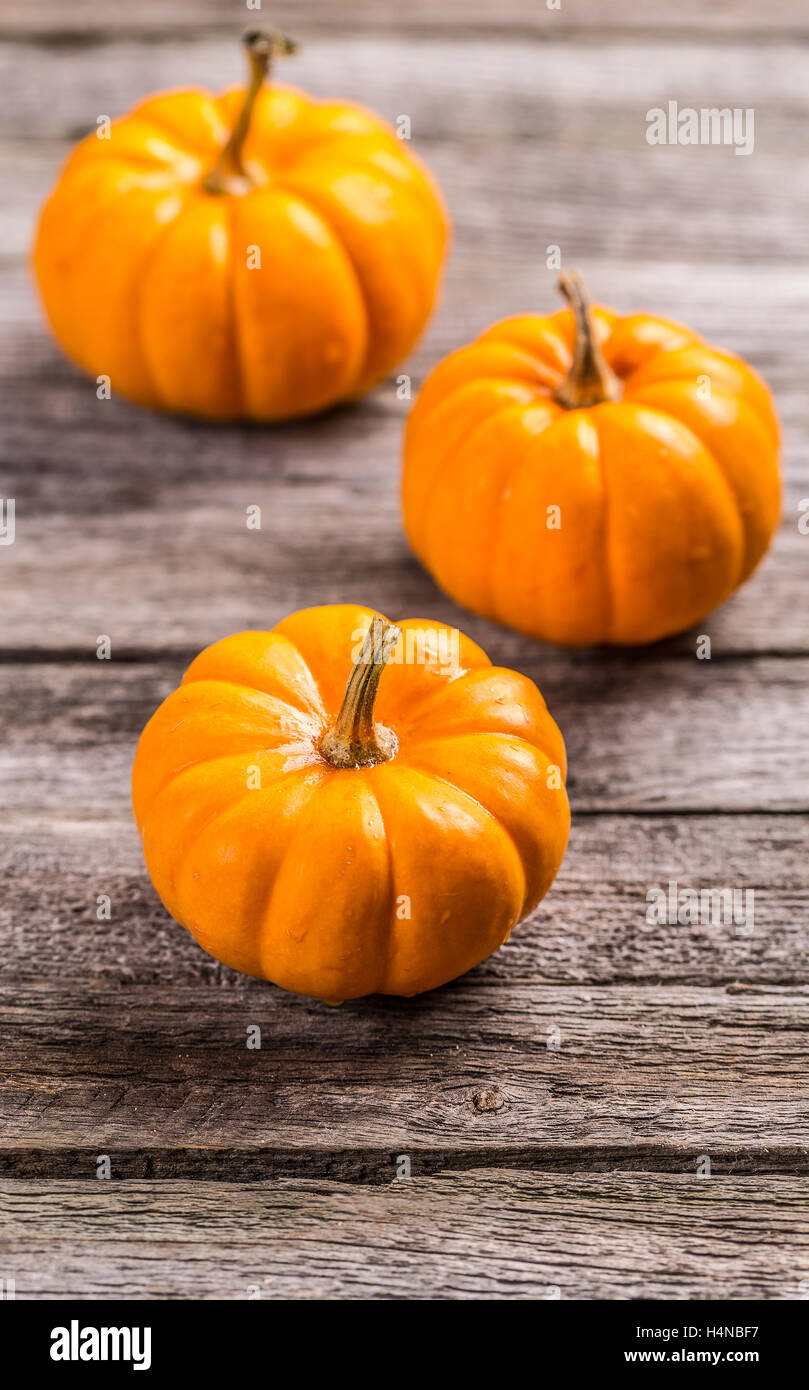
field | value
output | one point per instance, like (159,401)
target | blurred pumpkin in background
(258,254)
(590,478)
(349,829)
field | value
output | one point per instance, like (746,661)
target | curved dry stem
(355,740)
(590,381)
(229,174)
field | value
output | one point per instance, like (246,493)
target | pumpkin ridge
(96,215)
(246,753)
(239,384)
(543,378)
(180,155)
(496,535)
(609,583)
(455,459)
(431,776)
(173,139)
(157,732)
(660,349)
(748,564)
(718,472)
(475,381)
(442,458)
(412,754)
(230,810)
(256,690)
(292,191)
(96,222)
(309,197)
(424,190)
(390,934)
(556,361)
(436,696)
(138,279)
(767,422)
(266,926)
(199,832)
(263,919)
(653,349)
(136,113)
(411,759)
(253,691)
(315,681)
(152,163)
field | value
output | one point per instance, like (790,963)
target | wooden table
(536,1170)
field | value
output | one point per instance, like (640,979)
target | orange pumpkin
(258,254)
(381,840)
(588,478)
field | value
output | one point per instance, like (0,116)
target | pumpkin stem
(229,174)
(590,381)
(355,740)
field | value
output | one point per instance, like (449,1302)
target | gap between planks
(376,1168)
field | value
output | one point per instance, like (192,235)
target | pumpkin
(256,254)
(590,478)
(348,829)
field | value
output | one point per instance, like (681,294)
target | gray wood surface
(641,1077)
(591,930)
(535,1168)
(643,732)
(421,18)
(492,1234)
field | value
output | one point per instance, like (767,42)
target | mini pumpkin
(257,254)
(589,478)
(384,837)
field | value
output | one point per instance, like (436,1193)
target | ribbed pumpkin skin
(144,275)
(344,882)
(668,497)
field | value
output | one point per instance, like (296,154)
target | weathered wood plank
(189,571)
(590,930)
(164,1083)
(644,732)
(585,96)
(507,208)
(146,544)
(515,197)
(157,18)
(492,1235)
(755,311)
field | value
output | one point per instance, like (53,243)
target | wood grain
(737,266)
(155,551)
(163,1080)
(645,733)
(490,1234)
(581,99)
(591,929)
(88,20)
(535,1168)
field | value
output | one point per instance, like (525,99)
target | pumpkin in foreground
(345,829)
(257,254)
(589,478)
